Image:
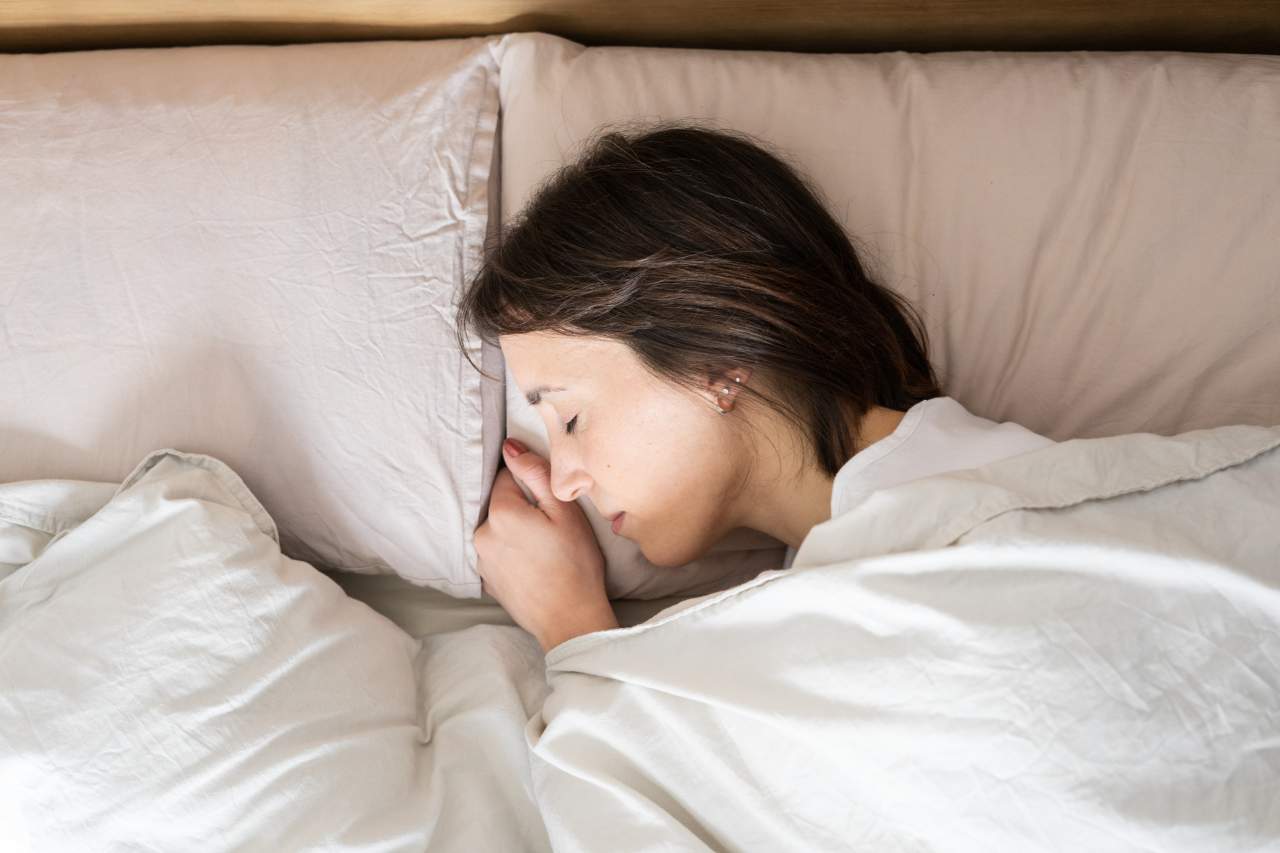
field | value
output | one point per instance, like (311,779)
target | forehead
(545,358)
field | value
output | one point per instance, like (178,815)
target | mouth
(617,522)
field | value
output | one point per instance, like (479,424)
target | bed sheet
(422,611)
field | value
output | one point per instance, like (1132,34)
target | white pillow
(1090,236)
(171,681)
(254,252)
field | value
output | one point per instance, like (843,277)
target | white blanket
(1073,649)
(169,681)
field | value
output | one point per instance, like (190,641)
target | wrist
(602,620)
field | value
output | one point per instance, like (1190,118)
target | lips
(617,522)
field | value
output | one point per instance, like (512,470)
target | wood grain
(1238,26)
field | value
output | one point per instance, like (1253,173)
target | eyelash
(568,428)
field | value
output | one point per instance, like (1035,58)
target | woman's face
(659,453)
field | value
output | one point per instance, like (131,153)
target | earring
(725,390)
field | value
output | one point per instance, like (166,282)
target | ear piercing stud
(725,390)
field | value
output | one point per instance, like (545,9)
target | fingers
(534,472)
(506,495)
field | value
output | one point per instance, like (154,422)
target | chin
(668,558)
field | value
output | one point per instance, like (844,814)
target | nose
(569,480)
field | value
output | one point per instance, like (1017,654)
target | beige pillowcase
(254,253)
(1091,237)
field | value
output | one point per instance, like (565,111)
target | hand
(541,563)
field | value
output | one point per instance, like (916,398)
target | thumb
(530,469)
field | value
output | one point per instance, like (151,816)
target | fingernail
(512,447)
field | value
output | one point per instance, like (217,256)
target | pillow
(173,682)
(1090,237)
(254,252)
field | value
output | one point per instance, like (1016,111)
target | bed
(241,456)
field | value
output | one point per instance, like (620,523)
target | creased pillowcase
(255,252)
(1090,237)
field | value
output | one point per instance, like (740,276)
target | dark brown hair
(702,251)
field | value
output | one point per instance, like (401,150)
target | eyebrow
(535,396)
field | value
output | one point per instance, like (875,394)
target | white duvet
(170,682)
(1073,649)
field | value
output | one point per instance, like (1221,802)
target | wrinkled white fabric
(170,681)
(1077,648)
(934,436)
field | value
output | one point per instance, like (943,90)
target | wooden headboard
(1231,26)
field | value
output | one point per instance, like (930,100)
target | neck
(788,507)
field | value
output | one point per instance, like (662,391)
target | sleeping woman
(707,353)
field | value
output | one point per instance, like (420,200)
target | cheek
(670,472)
(677,504)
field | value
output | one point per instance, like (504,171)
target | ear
(724,387)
